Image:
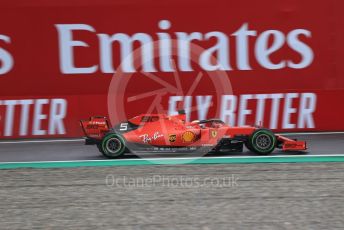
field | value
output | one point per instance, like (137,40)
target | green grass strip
(172,161)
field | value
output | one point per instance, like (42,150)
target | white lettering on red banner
(263,49)
(236,110)
(31,115)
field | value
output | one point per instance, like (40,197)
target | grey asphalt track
(202,197)
(323,144)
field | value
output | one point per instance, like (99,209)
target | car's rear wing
(95,127)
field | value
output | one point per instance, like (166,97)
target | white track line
(82,139)
(311,133)
(40,141)
(174,158)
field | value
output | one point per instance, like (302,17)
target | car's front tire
(262,142)
(112,146)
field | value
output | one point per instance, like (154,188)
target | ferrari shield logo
(213,133)
(172,137)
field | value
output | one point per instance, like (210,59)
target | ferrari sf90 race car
(163,133)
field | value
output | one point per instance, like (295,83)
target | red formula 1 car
(159,132)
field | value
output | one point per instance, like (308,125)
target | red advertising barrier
(276,63)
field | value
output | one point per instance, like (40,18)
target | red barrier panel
(276,63)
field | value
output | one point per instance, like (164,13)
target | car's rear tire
(262,142)
(112,146)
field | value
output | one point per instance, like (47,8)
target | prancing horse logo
(213,133)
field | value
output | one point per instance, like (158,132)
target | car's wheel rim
(113,145)
(263,141)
